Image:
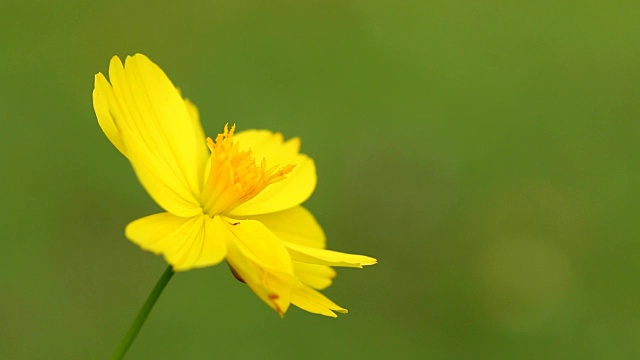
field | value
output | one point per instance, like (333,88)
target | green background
(486,152)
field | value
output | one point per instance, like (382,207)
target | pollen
(235,176)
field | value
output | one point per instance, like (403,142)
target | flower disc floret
(234,177)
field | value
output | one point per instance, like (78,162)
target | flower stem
(136,325)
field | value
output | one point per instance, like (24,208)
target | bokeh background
(486,152)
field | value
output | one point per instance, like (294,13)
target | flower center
(235,177)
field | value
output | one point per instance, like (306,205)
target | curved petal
(260,259)
(107,110)
(200,138)
(294,189)
(267,144)
(185,243)
(258,244)
(162,190)
(312,301)
(296,225)
(155,131)
(316,276)
(327,257)
(272,287)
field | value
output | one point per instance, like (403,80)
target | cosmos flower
(236,197)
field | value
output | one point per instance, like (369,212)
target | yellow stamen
(235,177)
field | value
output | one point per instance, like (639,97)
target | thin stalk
(136,325)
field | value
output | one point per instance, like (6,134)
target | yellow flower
(236,198)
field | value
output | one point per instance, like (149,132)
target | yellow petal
(163,191)
(327,257)
(107,110)
(259,244)
(312,301)
(296,225)
(272,287)
(261,260)
(316,276)
(157,132)
(200,138)
(185,243)
(267,144)
(294,189)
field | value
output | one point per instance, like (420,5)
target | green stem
(136,325)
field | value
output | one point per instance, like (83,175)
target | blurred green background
(486,152)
